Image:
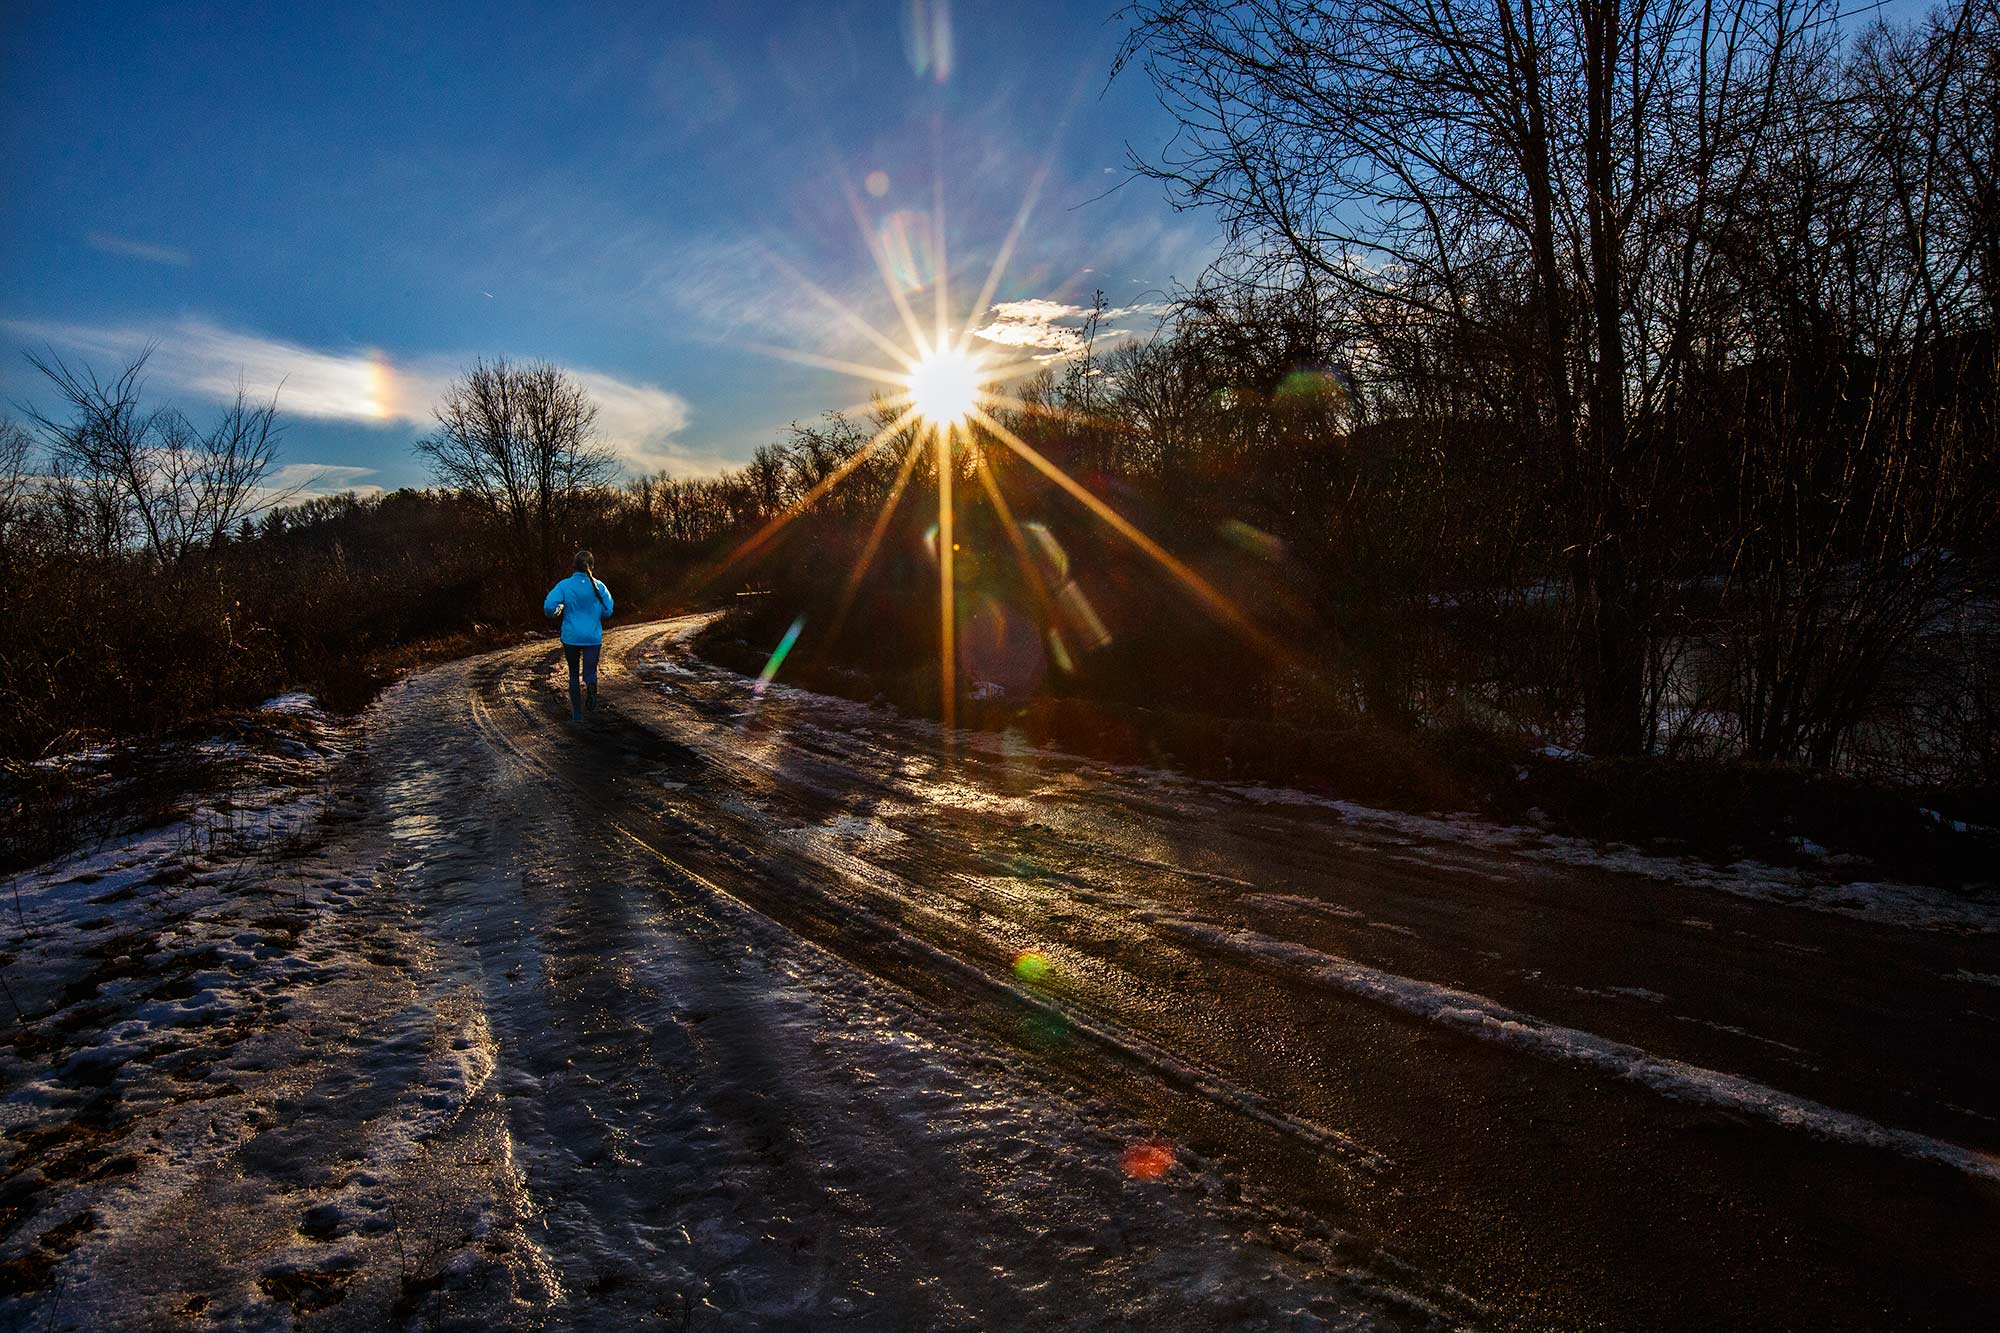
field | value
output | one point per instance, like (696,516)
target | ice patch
(1488,1020)
(295,704)
(1299,902)
(865,830)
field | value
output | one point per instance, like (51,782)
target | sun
(945,386)
(934,392)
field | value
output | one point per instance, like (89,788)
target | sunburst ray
(1038,587)
(949,389)
(1204,591)
(764,535)
(947,586)
(879,253)
(838,308)
(875,534)
(858,369)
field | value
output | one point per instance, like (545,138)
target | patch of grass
(306,1290)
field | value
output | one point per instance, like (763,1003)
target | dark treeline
(1615,377)
(152,575)
(1680,316)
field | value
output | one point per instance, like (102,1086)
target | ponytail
(584,560)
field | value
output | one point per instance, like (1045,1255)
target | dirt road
(742,1009)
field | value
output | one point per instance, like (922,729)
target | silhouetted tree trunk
(1460,162)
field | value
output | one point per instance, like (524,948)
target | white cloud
(638,422)
(1053,330)
(1037,309)
(195,357)
(1050,330)
(295,483)
(192,356)
(126,248)
(309,479)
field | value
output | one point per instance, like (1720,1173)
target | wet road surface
(798,1020)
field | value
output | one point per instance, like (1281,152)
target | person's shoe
(590,700)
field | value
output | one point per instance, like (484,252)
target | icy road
(754,1010)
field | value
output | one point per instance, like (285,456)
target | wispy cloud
(693,86)
(1053,330)
(733,290)
(322,479)
(197,358)
(126,248)
(637,421)
(295,483)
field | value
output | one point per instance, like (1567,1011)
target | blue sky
(358,199)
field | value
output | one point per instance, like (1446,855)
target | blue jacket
(582,613)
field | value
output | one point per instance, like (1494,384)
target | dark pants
(587,655)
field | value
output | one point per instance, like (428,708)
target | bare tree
(522,439)
(15,442)
(154,476)
(1530,181)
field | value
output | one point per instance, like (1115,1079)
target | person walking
(583,603)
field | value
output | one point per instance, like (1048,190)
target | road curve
(1414,1076)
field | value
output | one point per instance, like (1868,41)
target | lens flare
(940,397)
(1044,1031)
(945,386)
(1148,1161)
(1031,965)
(778,655)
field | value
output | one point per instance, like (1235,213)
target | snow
(91,756)
(341,1075)
(1488,1020)
(1451,840)
(295,704)
(1919,906)
(134,970)
(425,1056)
(1937,817)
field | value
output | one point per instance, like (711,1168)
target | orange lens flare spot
(1148,1161)
(1031,965)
